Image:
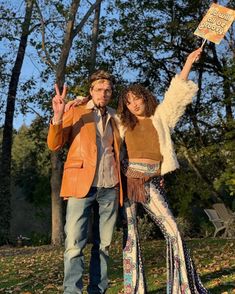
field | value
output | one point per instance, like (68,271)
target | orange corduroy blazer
(79,131)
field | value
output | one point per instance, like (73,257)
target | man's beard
(99,106)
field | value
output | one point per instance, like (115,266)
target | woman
(146,129)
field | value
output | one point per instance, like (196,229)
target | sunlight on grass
(40,269)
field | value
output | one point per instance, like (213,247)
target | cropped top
(143,141)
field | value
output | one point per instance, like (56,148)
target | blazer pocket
(73,164)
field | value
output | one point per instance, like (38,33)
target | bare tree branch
(85,18)
(47,57)
(95,34)
(36,112)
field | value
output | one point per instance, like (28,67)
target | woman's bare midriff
(144,160)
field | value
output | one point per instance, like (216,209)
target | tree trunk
(228,96)
(95,34)
(57,236)
(5,169)
(70,33)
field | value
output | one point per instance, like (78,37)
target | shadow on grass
(217,289)
(217,275)
(158,291)
(222,288)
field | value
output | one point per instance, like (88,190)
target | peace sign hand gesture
(58,103)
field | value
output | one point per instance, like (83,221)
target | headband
(100,81)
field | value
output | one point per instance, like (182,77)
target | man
(90,180)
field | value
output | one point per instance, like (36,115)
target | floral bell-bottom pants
(181,275)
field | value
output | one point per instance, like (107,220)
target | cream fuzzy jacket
(179,94)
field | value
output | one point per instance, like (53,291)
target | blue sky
(32,65)
(30,68)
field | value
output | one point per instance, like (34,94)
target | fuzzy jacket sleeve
(177,97)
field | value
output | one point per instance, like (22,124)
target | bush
(207,229)
(38,239)
(146,228)
(184,226)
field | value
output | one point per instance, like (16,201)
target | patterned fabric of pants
(181,275)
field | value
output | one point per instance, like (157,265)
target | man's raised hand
(58,103)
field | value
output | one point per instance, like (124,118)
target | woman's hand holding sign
(192,57)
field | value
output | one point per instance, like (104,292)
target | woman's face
(135,105)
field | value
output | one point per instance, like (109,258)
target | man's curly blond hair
(101,75)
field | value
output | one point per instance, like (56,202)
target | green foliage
(37,239)
(146,228)
(31,165)
(206,229)
(185,190)
(144,41)
(225,182)
(185,227)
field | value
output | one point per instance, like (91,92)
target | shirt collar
(90,105)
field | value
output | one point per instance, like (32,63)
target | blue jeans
(104,202)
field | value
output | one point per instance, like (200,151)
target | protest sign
(215,23)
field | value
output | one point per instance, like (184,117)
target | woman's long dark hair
(127,118)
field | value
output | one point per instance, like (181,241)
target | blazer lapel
(89,126)
(116,135)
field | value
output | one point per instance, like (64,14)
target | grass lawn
(40,269)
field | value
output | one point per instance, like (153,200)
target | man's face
(101,93)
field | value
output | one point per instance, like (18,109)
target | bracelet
(55,123)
